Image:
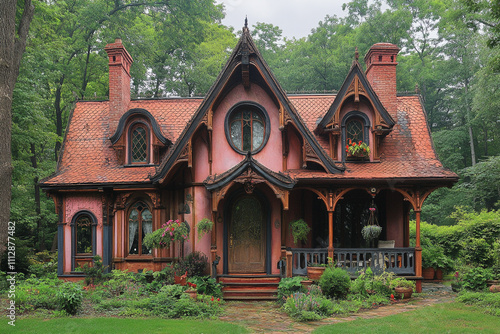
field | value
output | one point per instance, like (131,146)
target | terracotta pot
(405,292)
(306,283)
(428,273)
(191,293)
(314,273)
(439,273)
(495,288)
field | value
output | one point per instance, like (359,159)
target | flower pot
(495,288)
(439,273)
(306,283)
(428,273)
(314,273)
(191,293)
(405,293)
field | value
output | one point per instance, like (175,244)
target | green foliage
(401,282)
(171,231)
(204,226)
(288,286)
(367,283)
(488,301)
(34,293)
(307,307)
(195,264)
(43,263)
(370,232)
(207,285)
(94,274)
(335,283)
(70,297)
(300,230)
(475,279)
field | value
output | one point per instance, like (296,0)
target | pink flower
(171,234)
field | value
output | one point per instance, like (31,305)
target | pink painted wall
(74,204)
(203,210)
(224,157)
(294,151)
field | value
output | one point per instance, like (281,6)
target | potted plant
(428,262)
(300,230)
(403,288)
(171,231)
(204,226)
(372,230)
(191,290)
(357,151)
(315,270)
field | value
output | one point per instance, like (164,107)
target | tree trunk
(11,51)
(57,106)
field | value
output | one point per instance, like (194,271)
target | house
(250,158)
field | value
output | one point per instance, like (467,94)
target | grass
(119,325)
(442,318)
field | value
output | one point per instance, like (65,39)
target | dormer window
(355,129)
(139,143)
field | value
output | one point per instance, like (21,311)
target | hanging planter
(372,230)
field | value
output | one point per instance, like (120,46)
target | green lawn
(119,325)
(442,318)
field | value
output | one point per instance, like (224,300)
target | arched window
(140,223)
(247,127)
(354,130)
(139,143)
(83,236)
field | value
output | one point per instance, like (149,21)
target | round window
(247,127)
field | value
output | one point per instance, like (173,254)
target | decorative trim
(138,112)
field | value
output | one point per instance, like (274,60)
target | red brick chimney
(119,82)
(381,73)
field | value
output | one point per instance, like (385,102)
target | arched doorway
(246,235)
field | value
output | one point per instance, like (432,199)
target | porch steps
(249,287)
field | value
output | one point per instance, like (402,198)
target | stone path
(267,317)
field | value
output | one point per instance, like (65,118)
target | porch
(400,261)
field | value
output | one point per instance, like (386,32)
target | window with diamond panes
(140,223)
(247,130)
(354,131)
(139,145)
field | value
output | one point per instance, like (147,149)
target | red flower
(360,142)
(350,141)
(218,299)
(212,298)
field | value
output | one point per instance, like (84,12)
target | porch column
(418,253)
(330,234)
(213,245)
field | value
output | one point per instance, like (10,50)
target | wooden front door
(247,236)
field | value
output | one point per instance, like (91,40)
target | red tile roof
(89,159)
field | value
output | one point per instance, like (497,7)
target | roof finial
(356,54)
(246,22)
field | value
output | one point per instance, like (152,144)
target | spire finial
(356,54)
(246,22)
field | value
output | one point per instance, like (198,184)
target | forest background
(450,54)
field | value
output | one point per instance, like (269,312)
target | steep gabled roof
(356,84)
(241,58)
(278,179)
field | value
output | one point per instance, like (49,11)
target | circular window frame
(267,124)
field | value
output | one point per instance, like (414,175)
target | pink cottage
(251,159)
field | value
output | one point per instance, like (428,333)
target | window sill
(139,258)
(139,165)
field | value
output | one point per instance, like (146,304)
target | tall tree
(15,19)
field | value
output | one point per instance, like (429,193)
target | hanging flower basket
(171,231)
(372,230)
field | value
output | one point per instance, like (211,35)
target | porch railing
(400,261)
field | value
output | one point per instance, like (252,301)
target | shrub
(70,297)
(477,252)
(475,279)
(94,274)
(289,285)
(335,282)
(306,307)
(490,302)
(35,293)
(207,285)
(43,264)
(196,264)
